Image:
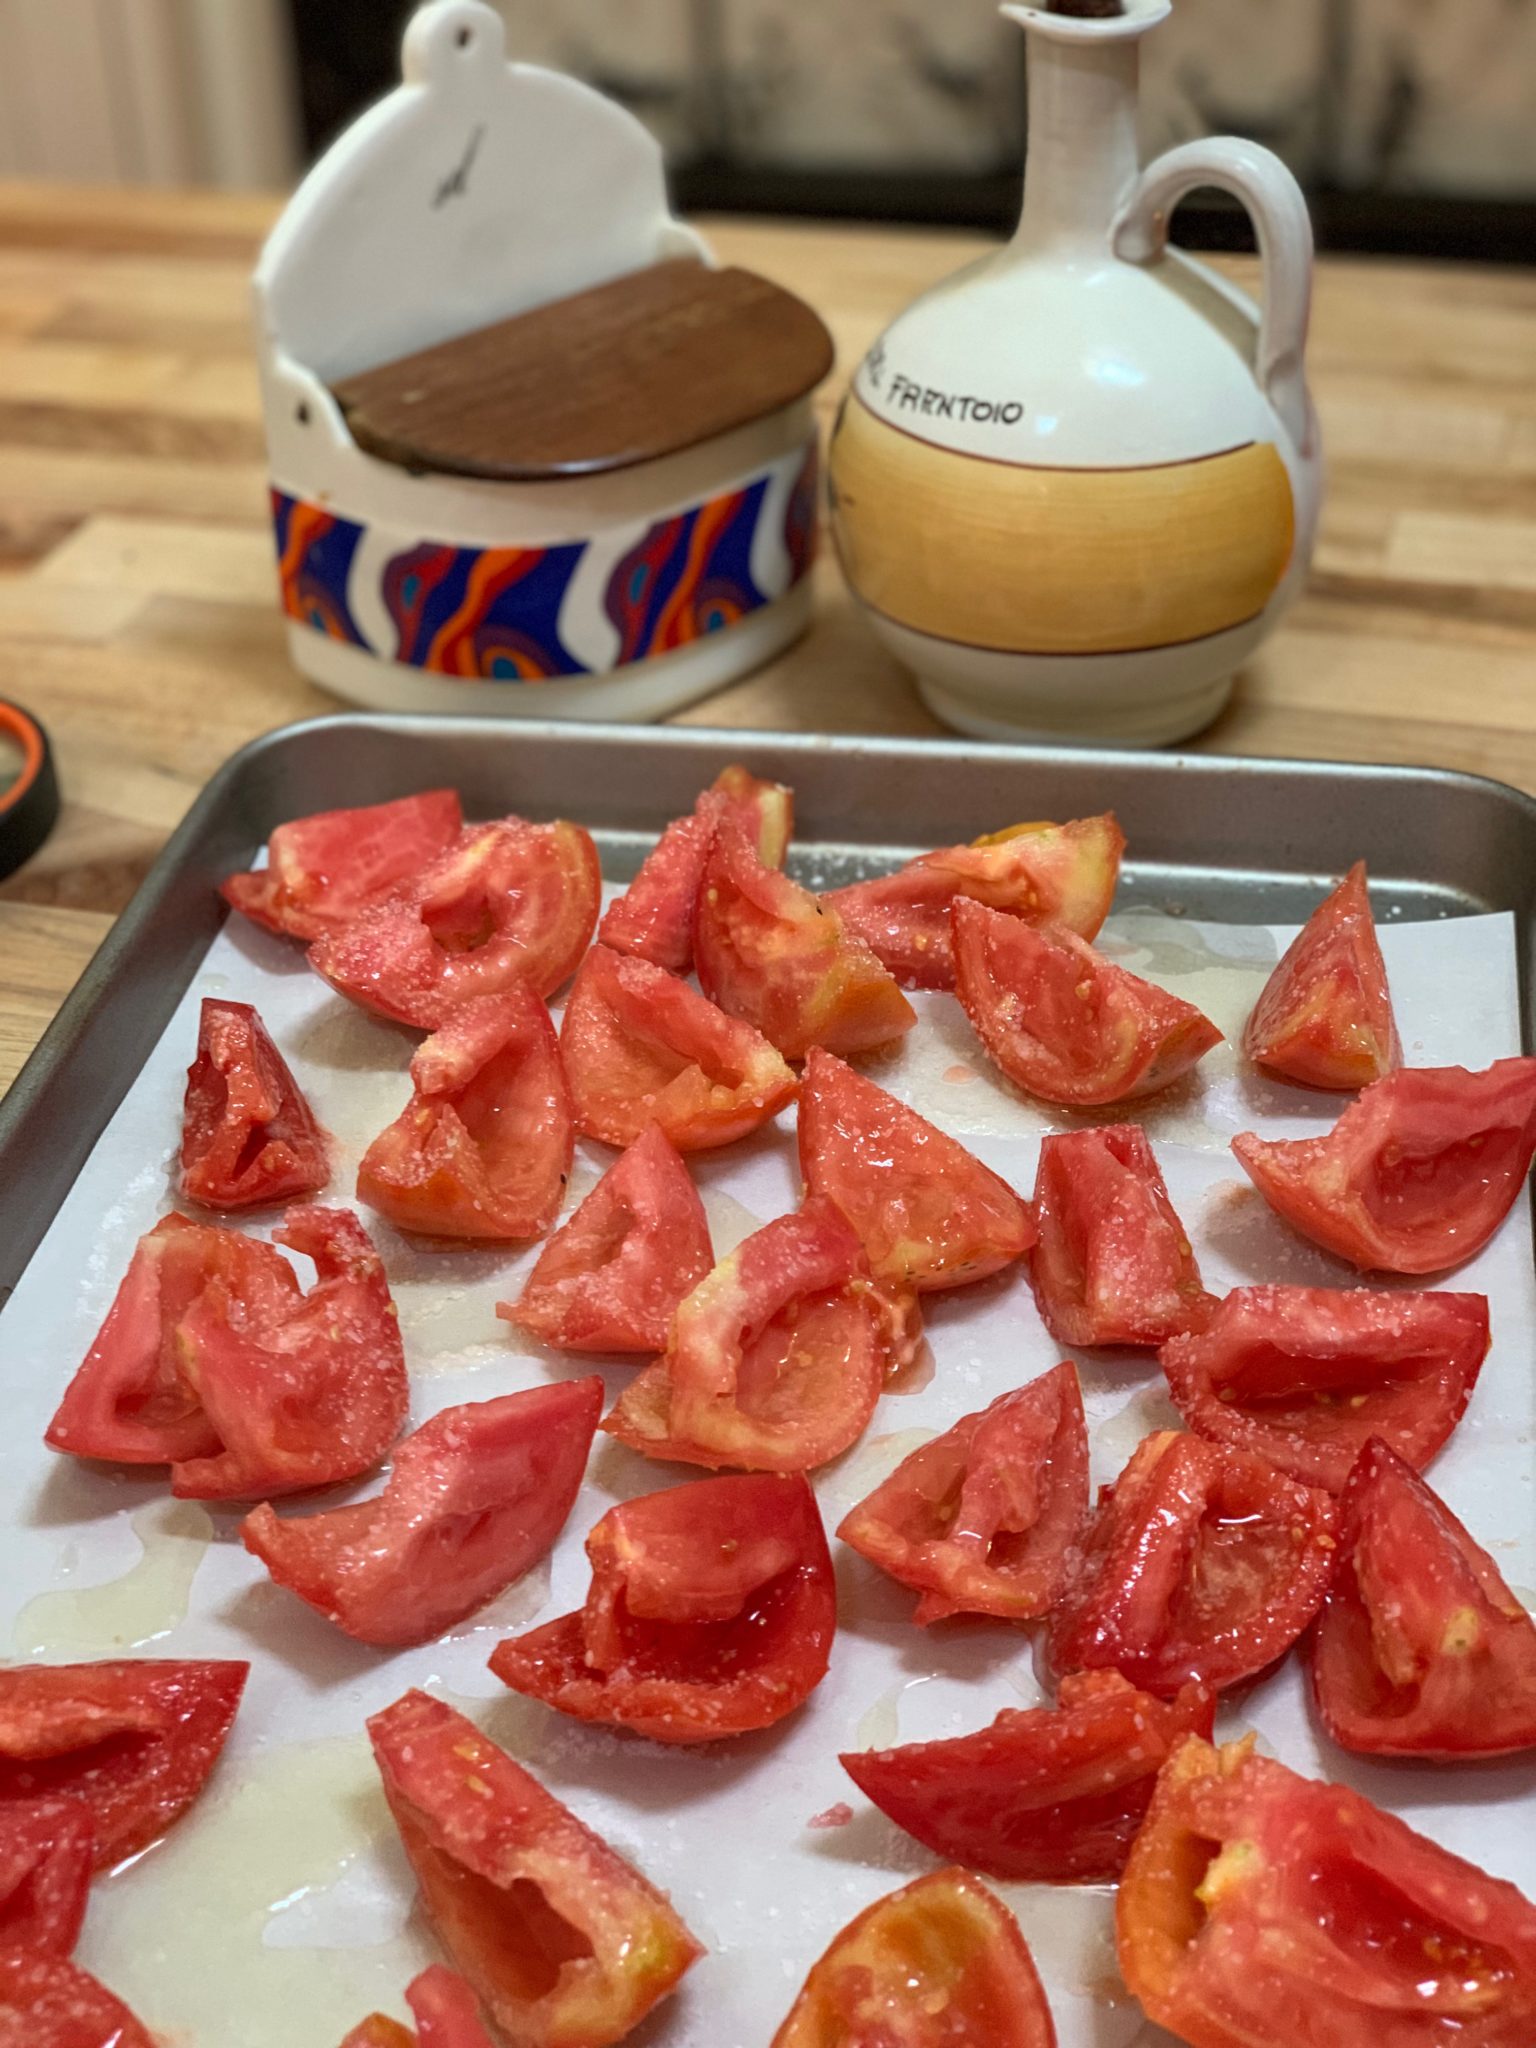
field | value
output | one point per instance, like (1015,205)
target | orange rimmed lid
(29,805)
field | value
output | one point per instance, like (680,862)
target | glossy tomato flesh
(1421,1648)
(562,1941)
(711,1612)
(475,1498)
(446,2011)
(1304,1376)
(1416,1175)
(1325,1017)
(1063,1022)
(642,1047)
(1113,1264)
(322,869)
(45,2002)
(47,1853)
(979,1519)
(247,1135)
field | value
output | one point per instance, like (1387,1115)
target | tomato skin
(711,1613)
(1200,1565)
(1064,1023)
(929,1213)
(1421,1649)
(642,1047)
(776,1358)
(1113,1264)
(475,1498)
(1260,1909)
(939,1964)
(653,919)
(1013,1475)
(377,2031)
(131,1740)
(47,1853)
(1051,1795)
(483,1148)
(508,903)
(1305,1376)
(239,1091)
(1046,874)
(446,2010)
(1324,1019)
(322,869)
(562,1941)
(45,2002)
(1416,1175)
(612,1276)
(769,951)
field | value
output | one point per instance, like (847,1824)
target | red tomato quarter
(1264,1910)
(47,1852)
(1046,874)
(653,919)
(611,1278)
(1200,1565)
(979,1519)
(1113,1264)
(1063,1022)
(1416,1175)
(46,2002)
(322,869)
(563,1942)
(132,1741)
(769,951)
(929,1213)
(939,1964)
(1303,1376)
(711,1613)
(510,902)
(1421,1649)
(247,1134)
(475,1498)
(775,1361)
(1053,1795)
(642,1047)
(1325,1017)
(483,1148)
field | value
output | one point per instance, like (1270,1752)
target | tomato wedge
(979,1520)
(767,950)
(1260,1909)
(1304,1376)
(1113,1264)
(131,1741)
(929,1213)
(1200,1565)
(483,1148)
(939,1964)
(1421,1649)
(45,2002)
(1416,1175)
(508,902)
(47,1853)
(378,2031)
(611,1278)
(1046,874)
(1063,1022)
(247,1134)
(322,869)
(711,1613)
(476,1497)
(653,919)
(1325,1017)
(642,1047)
(776,1359)
(447,2015)
(1051,1795)
(563,1942)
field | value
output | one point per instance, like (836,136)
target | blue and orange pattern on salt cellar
(501,614)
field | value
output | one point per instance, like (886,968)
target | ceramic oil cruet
(1075,485)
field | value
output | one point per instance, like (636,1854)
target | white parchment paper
(280,1910)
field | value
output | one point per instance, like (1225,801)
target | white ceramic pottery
(476,191)
(1076,484)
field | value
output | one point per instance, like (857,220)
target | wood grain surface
(138,612)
